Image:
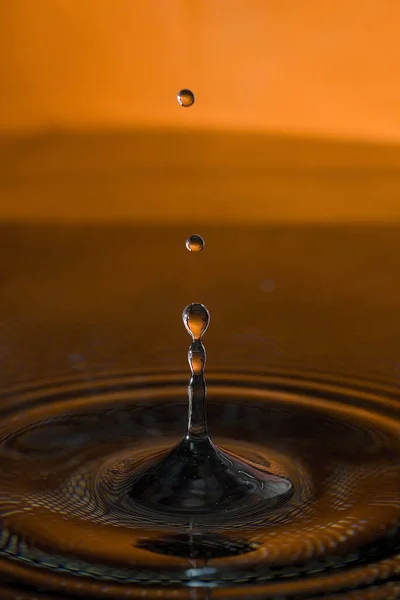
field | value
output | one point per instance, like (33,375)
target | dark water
(302,373)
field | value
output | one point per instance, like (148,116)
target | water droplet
(195,243)
(186,98)
(196,319)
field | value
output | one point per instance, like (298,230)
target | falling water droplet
(196,319)
(186,98)
(195,243)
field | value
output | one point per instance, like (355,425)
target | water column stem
(196,319)
(197,419)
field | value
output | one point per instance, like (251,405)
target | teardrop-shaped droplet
(186,98)
(196,319)
(195,243)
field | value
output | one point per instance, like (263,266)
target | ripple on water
(69,456)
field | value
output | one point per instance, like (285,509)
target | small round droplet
(186,98)
(196,318)
(195,243)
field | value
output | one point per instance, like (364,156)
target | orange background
(89,88)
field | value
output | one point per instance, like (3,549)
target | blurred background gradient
(296,116)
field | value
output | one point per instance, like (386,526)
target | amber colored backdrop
(296,118)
